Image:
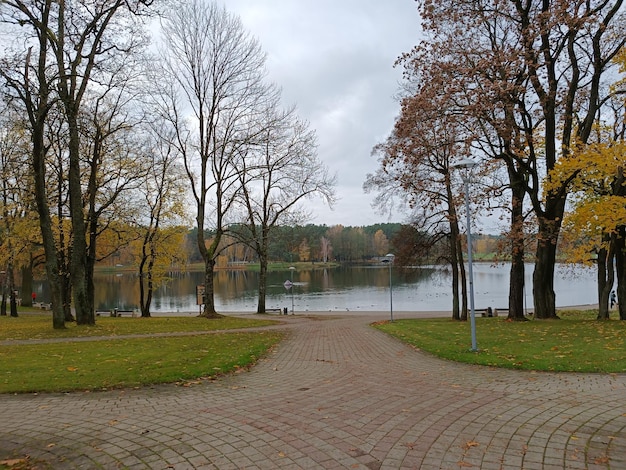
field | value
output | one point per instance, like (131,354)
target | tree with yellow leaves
(595,176)
(596,224)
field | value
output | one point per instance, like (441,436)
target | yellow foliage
(595,177)
(591,168)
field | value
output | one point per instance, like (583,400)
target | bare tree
(29,77)
(277,175)
(163,195)
(415,167)
(217,73)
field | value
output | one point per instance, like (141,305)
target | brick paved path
(336,394)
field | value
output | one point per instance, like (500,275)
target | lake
(340,289)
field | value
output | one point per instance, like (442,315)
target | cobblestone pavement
(335,394)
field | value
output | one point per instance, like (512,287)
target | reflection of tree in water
(236,284)
(426,288)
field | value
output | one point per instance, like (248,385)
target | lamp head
(466,163)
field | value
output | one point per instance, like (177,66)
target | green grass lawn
(577,343)
(123,362)
(39,326)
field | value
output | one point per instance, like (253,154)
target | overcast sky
(334,61)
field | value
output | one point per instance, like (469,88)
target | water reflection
(339,289)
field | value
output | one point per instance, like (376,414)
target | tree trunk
(66,296)
(605,276)
(262,284)
(91,249)
(517,273)
(146,288)
(516,288)
(13,303)
(464,293)
(27,284)
(543,275)
(78,259)
(209,290)
(145,309)
(454,264)
(12,295)
(45,224)
(456,256)
(146,285)
(3,302)
(620,264)
(262,249)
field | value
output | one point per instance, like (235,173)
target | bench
(280,311)
(492,312)
(42,305)
(116,312)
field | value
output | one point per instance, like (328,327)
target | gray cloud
(334,61)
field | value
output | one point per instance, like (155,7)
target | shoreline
(364,313)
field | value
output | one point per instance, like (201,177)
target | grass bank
(576,343)
(117,361)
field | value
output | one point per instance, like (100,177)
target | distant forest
(337,244)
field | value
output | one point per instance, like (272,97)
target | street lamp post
(389,257)
(467,165)
(291,269)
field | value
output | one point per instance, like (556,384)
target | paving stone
(335,394)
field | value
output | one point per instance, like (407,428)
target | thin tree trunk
(464,293)
(12,296)
(27,284)
(3,303)
(620,264)
(456,256)
(262,250)
(262,284)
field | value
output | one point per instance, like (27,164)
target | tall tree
(115,157)
(87,34)
(416,167)
(276,176)
(598,218)
(163,197)
(29,77)
(216,71)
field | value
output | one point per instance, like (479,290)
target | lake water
(353,289)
